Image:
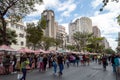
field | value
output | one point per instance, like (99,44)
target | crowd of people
(58,61)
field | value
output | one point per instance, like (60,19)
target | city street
(92,72)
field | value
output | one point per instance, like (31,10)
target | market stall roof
(6,48)
(39,50)
(26,50)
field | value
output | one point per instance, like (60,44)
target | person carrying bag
(24,63)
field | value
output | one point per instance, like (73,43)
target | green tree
(14,10)
(95,44)
(71,47)
(11,37)
(81,39)
(118,19)
(58,42)
(109,51)
(47,42)
(34,33)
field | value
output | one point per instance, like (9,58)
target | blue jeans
(114,67)
(61,67)
(24,74)
(55,67)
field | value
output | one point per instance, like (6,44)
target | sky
(67,11)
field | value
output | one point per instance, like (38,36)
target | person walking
(113,62)
(54,63)
(117,64)
(104,61)
(14,63)
(24,63)
(40,62)
(60,64)
(45,59)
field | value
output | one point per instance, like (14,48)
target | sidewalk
(92,72)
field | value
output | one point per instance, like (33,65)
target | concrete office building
(50,30)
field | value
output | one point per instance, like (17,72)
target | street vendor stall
(6,51)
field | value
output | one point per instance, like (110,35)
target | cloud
(96,3)
(51,3)
(46,5)
(113,7)
(67,7)
(107,21)
(112,43)
(108,24)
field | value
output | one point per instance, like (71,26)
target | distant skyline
(67,11)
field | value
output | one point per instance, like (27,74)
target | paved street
(92,72)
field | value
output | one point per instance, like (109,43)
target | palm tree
(95,44)
(58,42)
(81,40)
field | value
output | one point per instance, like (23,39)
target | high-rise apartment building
(50,30)
(105,43)
(19,27)
(96,31)
(84,24)
(62,35)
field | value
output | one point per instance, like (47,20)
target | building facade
(84,24)
(62,35)
(96,31)
(50,30)
(105,43)
(19,27)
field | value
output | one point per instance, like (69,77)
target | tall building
(84,24)
(72,30)
(62,35)
(105,43)
(19,27)
(96,31)
(50,30)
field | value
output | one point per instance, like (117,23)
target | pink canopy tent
(39,51)
(47,52)
(26,50)
(6,48)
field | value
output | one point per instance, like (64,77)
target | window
(21,35)
(17,26)
(22,43)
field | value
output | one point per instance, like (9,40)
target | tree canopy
(118,19)
(94,44)
(11,37)
(14,10)
(34,33)
(109,51)
(81,39)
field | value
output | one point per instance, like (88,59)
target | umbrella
(6,48)
(26,50)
